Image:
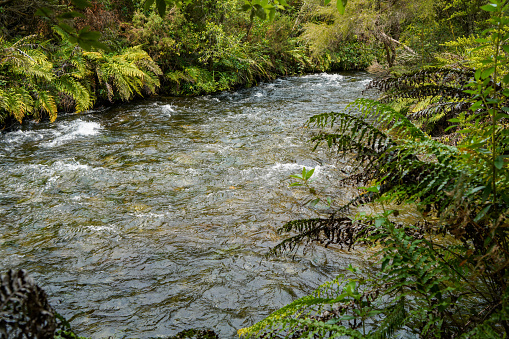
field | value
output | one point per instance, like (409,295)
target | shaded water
(153,217)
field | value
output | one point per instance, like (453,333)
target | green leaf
(386,261)
(313,202)
(246,7)
(482,213)
(70,15)
(341,8)
(346,317)
(487,72)
(260,12)
(72,39)
(100,45)
(506,78)
(489,8)
(502,115)
(295,184)
(44,12)
(161,7)
(477,74)
(474,145)
(499,161)
(89,35)
(85,45)
(148,4)
(81,4)
(309,173)
(375,189)
(326,2)
(272,14)
(476,105)
(66,28)
(473,190)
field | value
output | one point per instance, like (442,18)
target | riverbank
(195,49)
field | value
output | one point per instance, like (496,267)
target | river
(152,217)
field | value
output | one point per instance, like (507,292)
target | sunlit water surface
(150,218)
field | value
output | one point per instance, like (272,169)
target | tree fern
(443,89)
(390,156)
(82,97)
(128,73)
(439,279)
(17,101)
(45,103)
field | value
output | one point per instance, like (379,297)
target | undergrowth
(444,276)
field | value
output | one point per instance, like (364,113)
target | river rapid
(149,218)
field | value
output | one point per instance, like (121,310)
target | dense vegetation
(437,139)
(68,56)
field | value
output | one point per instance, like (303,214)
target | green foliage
(315,315)
(26,76)
(430,97)
(446,278)
(84,37)
(124,74)
(32,84)
(195,333)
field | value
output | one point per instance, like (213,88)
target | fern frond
(18,102)
(384,116)
(81,95)
(443,82)
(305,317)
(333,230)
(127,73)
(394,321)
(450,108)
(45,102)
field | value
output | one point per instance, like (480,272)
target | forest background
(203,47)
(437,139)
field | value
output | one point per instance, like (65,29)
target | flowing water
(150,218)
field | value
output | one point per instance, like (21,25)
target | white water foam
(293,168)
(74,130)
(59,167)
(75,166)
(286,167)
(167,109)
(332,77)
(102,228)
(19,137)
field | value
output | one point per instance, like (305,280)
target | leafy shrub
(444,277)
